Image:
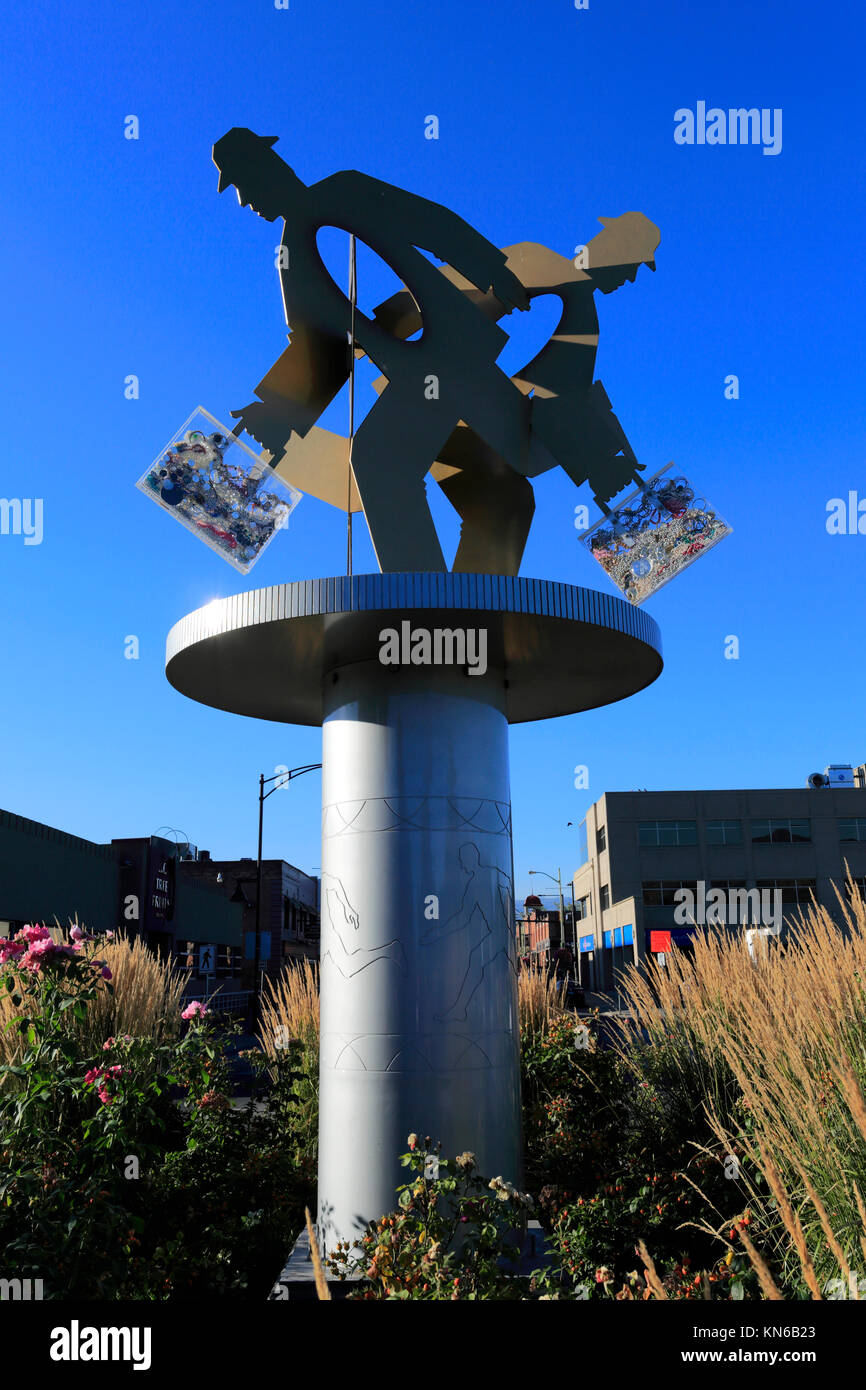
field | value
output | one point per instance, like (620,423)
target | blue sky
(120,258)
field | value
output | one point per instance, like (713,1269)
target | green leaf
(737,1291)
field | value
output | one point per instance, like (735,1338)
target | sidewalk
(605,1003)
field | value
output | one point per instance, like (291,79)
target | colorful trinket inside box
(220,490)
(656,533)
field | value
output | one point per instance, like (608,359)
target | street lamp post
(558,882)
(280,778)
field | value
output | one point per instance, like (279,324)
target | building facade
(130,885)
(637,849)
(289,919)
(186,907)
(538,931)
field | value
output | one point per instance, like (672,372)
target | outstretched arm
(456,922)
(301,383)
(382,208)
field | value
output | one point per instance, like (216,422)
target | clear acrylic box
(220,490)
(656,533)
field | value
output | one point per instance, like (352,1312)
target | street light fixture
(280,778)
(558,882)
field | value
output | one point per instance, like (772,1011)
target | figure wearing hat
(572,423)
(572,417)
(447,375)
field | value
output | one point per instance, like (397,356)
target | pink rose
(194,1010)
(35,933)
(42,946)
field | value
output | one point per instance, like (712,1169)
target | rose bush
(130,1174)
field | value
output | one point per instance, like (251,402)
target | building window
(667,832)
(726,883)
(601,840)
(582,844)
(660,892)
(796,892)
(584,906)
(859,884)
(781,832)
(852,829)
(604,897)
(723,832)
(228,960)
(619,936)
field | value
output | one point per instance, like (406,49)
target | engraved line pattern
(427,813)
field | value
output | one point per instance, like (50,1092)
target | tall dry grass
(538,1003)
(788,1025)
(290,1014)
(145,1001)
(290,1008)
(290,1005)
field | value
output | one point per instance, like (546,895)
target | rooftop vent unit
(835,775)
(839,775)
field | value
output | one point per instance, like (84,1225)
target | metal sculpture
(444,406)
(419,1010)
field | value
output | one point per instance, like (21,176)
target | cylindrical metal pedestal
(419,1028)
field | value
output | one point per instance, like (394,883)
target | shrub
(453,1236)
(126,1172)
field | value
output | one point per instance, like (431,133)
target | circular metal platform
(265,653)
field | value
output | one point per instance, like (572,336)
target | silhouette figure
(343,920)
(445,406)
(572,423)
(447,375)
(471,920)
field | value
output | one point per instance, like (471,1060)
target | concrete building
(289,923)
(187,907)
(538,928)
(130,885)
(637,848)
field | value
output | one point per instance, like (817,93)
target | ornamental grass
(538,1002)
(145,999)
(290,1008)
(772,1043)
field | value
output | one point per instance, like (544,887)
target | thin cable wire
(353,299)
